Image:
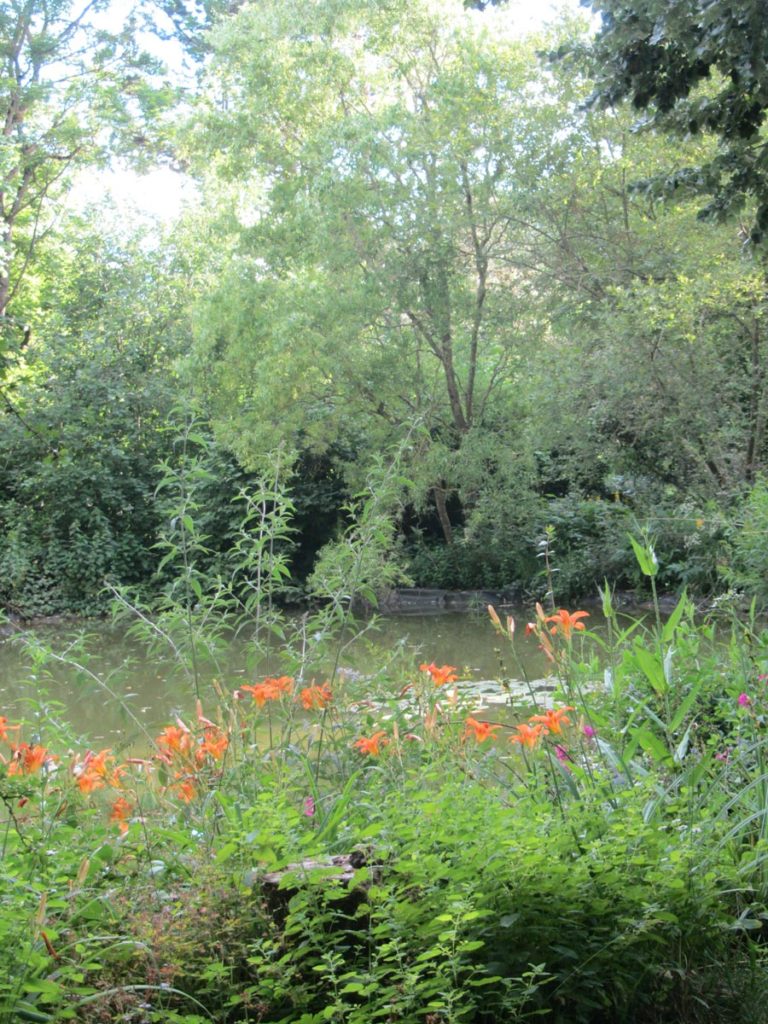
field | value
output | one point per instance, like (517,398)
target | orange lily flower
(270,689)
(315,697)
(214,743)
(185,790)
(441,674)
(482,731)
(566,622)
(121,810)
(372,745)
(553,720)
(27,760)
(94,772)
(528,735)
(176,739)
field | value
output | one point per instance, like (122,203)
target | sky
(158,197)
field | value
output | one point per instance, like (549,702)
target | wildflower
(566,622)
(121,810)
(723,755)
(482,731)
(528,735)
(215,743)
(185,790)
(372,745)
(27,760)
(430,719)
(206,722)
(743,700)
(440,674)
(270,689)
(318,697)
(553,720)
(176,739)
(309,806)
(92,773)
(562,754)
(589,731)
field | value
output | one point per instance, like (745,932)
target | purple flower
(561,753)
(589,731)
(309,806)
(743,700)
(723,755)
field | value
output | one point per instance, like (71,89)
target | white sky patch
(159,196)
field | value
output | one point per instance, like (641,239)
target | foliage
(700,66)
(602,856)
(85,429)
(423,249)
(349,240)
(748,568)
(71,92)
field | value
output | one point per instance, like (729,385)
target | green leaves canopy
(374,163)
(70,94)
(697,66)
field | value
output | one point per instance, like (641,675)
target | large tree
(377,155)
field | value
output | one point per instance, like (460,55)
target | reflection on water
(110,690)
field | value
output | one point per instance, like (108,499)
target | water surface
(109,688)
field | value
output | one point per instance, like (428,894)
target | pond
(108,688)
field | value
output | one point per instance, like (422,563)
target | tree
(71,93)
(192,20)
(372,283)
(92,393)
(695,66)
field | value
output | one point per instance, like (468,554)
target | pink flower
(723,755)
(743,700)
(309,806)
(589,731)
(561,753)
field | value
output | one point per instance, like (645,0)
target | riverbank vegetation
(381,847)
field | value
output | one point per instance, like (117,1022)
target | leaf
(679,716)
(652,745)
(674,619)
(646,557)
(652,667)
(225,852)
(339,807)
(606,598)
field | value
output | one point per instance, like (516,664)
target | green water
(110,690)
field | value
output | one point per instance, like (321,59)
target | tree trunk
(442,512)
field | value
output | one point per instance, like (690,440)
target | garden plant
(382,848)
